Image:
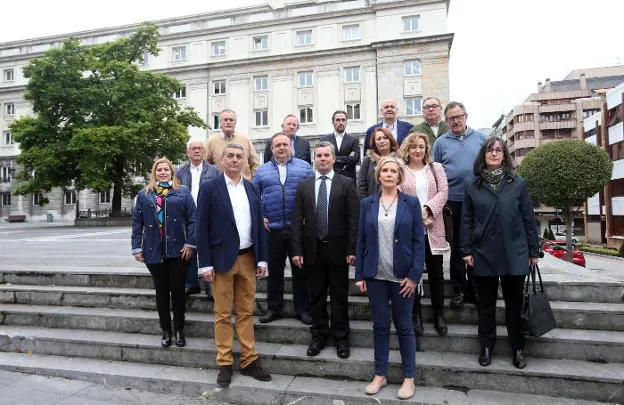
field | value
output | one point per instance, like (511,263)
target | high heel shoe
(375,385)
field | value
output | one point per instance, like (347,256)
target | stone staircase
(100,325)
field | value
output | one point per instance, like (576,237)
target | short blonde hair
(390,159)
(404,150)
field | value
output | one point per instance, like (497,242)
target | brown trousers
(235,288)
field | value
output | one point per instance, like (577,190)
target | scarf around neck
(493,177)
(162,190)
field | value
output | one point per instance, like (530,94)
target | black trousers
(324,275)
(435,274)
(279,250)
(168,278)
(463,282)
(512,294)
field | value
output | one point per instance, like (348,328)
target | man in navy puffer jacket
(278,180)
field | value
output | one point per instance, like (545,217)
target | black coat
(498,227)
(348,156)
(302,150)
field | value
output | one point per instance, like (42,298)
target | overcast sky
(502,48)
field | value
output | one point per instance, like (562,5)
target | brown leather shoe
(255,370)
(225,376)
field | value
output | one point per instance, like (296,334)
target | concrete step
(560,287)
(573,315)
(567,378)
(281,390)
(574,344)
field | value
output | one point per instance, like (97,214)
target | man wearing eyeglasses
(433,125)
(456,150)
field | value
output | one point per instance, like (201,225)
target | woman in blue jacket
(498,239)
(163,237)
(390,255)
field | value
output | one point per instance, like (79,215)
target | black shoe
(439,323)
(270,316)
(180,340)
(255,370)
(518,359)
(315,347)
(225,376)
(165,340)
(485,358)
(457,302)
(342,350)
(305,318)
(192,290)
(419,327)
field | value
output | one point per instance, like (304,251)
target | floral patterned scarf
(162,189)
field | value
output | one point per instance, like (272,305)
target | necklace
(386,210)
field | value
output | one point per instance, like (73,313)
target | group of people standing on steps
(227,219)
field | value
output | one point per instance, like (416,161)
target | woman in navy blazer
(163,237)
(390,256)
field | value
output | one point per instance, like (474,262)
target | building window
(412,67)
(411,23)
(70,197)
(353,111)
(178,53)
(9,109)
(5,174)
(216,121)
(352,74)
(105,197)
(261,83)
(8,75)
(351,32)
(304,37)
(218,87)
(260,43)
(589,113)
(261,118)
(143,59)
(218,48)
(6,199)
(306,115)
(8,138)
(181,93)
(37,199)
(305,79)
(413,106)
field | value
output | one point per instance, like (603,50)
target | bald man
(389,110)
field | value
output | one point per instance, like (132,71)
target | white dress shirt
(283,171)
(435,129)
(196,172)
(339,138)
(328,184)
(392,128)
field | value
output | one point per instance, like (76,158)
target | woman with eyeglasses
(498,240)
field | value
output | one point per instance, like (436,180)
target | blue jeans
(381,292)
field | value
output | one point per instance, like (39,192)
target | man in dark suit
(299,146)
(326,251)
(347,147)
(192,174)
(232,252)
(389,111)
(433,125)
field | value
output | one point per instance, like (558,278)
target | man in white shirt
(347,147)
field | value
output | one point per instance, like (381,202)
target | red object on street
(558,249)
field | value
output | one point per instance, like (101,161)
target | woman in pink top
(427,181)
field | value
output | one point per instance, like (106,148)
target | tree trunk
(569,217)
(117,188)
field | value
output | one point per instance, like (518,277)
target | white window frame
(5,174)
(351,32)
(304,38)
(7,138)
(9,108)
(349,74)
(412,67)
(306,114)
(305,79)
(411,23)
(263,42)
(72,197)
(216,120)
(413,106)
(8,75)
(180,93)
(261,83)
(218,48)
(221,86)
(178,53)
(36,199)
(104,197)
(261,118)
(351,109)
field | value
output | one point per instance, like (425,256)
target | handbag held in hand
(537,314)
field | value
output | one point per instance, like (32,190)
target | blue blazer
(217,235)
(209,172)
(403,129)
(179,225)
(409,239)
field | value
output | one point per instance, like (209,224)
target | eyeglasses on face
(495,151)
(456,118)
(431,106)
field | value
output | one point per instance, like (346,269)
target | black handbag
(537,314)
(447,213)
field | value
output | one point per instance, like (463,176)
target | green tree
(564,174)
(99,120)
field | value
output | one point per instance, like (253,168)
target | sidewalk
(26,389)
